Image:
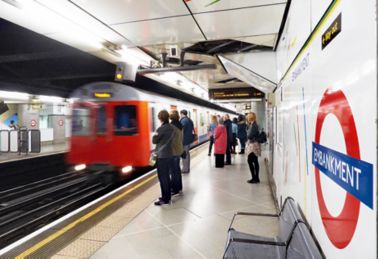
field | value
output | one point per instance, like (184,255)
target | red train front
(110,128)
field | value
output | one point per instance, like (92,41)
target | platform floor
(194,226)
(47,149)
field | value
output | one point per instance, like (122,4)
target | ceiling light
(14,95)
(50,99)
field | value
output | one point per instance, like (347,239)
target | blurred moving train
(113,124)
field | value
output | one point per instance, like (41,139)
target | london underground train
(113,125)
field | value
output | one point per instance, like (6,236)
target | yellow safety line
(80,220)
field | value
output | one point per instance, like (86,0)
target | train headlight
(126,169)
(80,167)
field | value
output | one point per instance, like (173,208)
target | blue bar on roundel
(353,175)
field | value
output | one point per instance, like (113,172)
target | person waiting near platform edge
(163,140)
(242,133)
(220,145)
(253,148)
(177,149)
(188,138)
(234,134)
(211,130)
(228,125)
(12,125)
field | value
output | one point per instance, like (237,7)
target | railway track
(25,208)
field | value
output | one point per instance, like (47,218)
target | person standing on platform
(12,125)
(188,138)
(212,127)
(220,145)
(177,149)
(163,140)
(228,125)
(254,149)
(234,134)
(242,133)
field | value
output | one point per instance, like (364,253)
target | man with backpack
(188,138)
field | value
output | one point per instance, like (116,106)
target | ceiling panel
(248,76)
(241,22)
(197,6)
(122,11)
(264,40)
(170,30)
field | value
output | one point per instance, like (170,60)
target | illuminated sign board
(235,93)
(102,95)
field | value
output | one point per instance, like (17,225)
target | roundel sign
(346,170)
(33,123)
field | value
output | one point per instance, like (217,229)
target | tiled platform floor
(194,226)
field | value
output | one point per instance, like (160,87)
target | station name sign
(353,175)
(235,93)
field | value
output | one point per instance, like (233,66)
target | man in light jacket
(177,149)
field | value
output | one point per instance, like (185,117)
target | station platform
(195,224)
(48,149)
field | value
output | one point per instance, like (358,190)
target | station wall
(325,122)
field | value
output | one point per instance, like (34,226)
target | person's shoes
(227,163)
(185,172)
(209,154)
(161,202)
(250,181)
(175,194)
(241,152)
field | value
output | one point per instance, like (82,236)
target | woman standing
(163,140)
(254,149)
(212,127)
(242,133)
(220,146)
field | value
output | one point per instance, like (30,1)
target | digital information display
(235,93)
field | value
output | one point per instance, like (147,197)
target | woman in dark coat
(254,149)
(163,140)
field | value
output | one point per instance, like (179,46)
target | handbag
(153,158)
(253,147)
(183,155)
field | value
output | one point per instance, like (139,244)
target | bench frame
(272,243)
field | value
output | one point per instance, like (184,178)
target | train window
(125,120)
(80,122)
(101,120)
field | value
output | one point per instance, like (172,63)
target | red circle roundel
(33,123)
(339,229)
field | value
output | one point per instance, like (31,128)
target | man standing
(228,125)
(188,138)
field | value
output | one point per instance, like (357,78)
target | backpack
(262,137)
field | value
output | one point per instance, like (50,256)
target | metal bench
(294,239)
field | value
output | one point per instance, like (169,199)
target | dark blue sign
(353,175)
